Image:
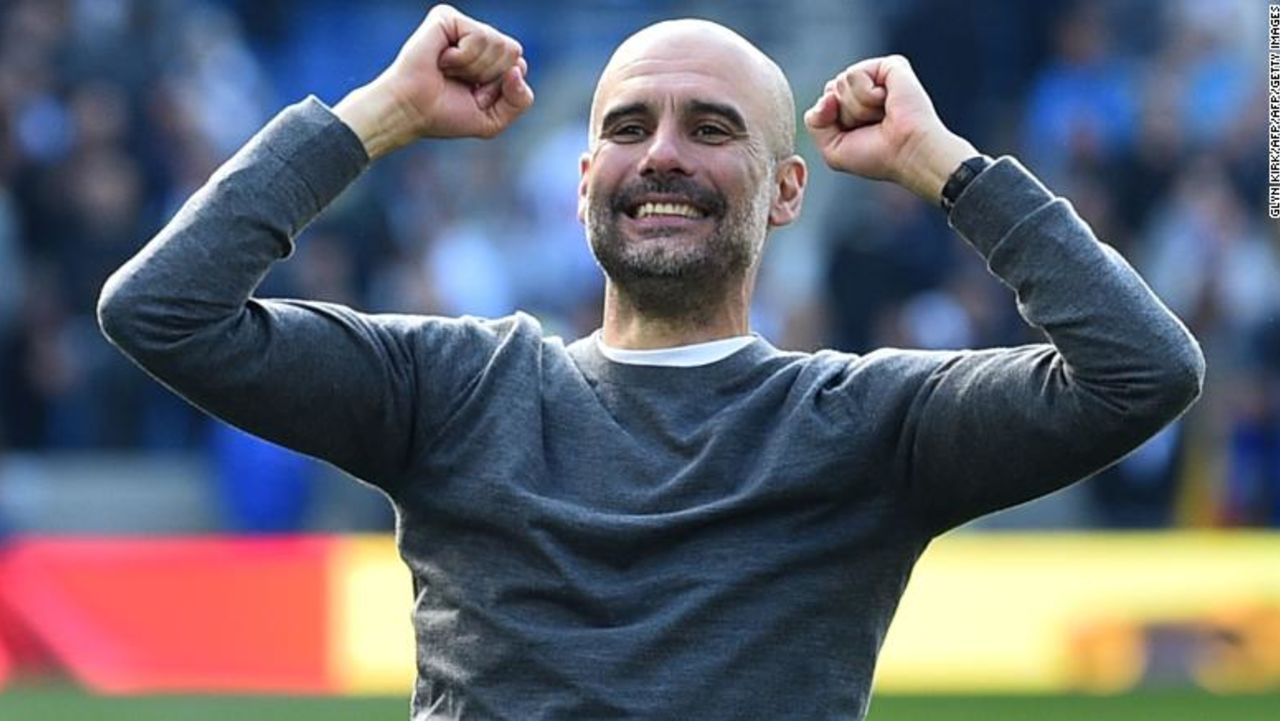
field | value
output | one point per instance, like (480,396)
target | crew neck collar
(596,366)
(690,355)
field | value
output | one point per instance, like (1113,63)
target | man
(671,519)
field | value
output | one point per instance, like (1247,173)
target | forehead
(677,70)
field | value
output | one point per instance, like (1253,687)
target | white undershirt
(682,356)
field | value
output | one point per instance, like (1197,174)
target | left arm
(990,429)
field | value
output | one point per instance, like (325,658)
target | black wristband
(960,180)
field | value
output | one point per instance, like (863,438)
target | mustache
(631,194)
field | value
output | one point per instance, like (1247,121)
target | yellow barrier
(371,631)
(996,613)
(1089,612)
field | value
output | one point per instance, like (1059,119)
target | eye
(627,132)
(712,132)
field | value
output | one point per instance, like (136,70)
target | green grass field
(65,704)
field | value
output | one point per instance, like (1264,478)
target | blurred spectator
(555,272)
(1252,484)
(1081,109)
(1140,490)
(11,267)
(1209,260)
(1147,115)
(879,262)
(262,487)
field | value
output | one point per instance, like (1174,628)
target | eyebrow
(728,113)
(618,113)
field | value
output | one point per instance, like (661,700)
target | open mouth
(651,209)
(676,200)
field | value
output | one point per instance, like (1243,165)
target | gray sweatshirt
(593,540)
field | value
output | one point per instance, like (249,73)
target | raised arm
(358,390)
(984,430)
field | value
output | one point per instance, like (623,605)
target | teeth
(679,209)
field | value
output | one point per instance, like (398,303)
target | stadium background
(145,549)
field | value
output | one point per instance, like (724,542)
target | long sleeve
(316,377)
(989,429)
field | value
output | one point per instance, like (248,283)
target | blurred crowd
(1150,116)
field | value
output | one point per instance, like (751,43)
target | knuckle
(444,14)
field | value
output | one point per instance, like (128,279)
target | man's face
(678,184)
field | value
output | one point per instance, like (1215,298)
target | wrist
(933,162)
(960,180)
(376,117)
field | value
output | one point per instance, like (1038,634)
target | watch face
(961,178)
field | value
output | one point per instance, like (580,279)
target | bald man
(671,518)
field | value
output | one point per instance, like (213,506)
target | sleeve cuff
(318,148)
(996,201)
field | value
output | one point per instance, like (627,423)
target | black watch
(961,178)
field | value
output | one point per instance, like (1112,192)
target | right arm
(319,378)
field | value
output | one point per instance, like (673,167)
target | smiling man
(670,519)
(692,159)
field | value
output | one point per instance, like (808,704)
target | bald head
(673,51)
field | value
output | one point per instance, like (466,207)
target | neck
(644,319)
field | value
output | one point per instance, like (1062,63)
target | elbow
(1158,386)
(1182,380)
(113,309)
(118,311)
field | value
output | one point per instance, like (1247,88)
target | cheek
(747,185)
(603,178)
(597,190)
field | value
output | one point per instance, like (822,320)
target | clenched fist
(875,120)
(454,77)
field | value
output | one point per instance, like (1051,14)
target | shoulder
(482,335)
(884,377)
(441,347)
(880,365)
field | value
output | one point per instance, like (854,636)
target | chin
(663,263)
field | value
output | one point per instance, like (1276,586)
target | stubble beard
(681,281)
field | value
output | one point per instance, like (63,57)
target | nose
(665,152)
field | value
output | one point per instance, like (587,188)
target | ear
(584,172)
(792,174)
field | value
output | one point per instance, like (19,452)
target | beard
(675,280)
